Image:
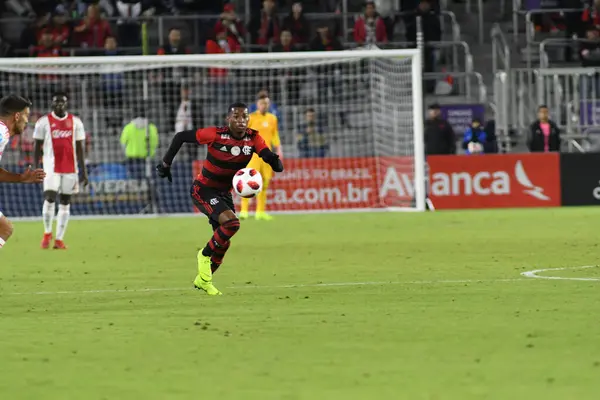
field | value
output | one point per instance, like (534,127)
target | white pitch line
(313,285)
(535,272)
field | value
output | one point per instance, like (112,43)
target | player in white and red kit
(61,137)
(14,115)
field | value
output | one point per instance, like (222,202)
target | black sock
(206,251)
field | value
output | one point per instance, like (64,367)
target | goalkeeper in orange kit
(266,125)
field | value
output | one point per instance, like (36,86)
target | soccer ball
(247,182)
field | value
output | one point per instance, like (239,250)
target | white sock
(2,243)
(62,219)
(48,216)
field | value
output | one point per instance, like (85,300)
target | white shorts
(61,183)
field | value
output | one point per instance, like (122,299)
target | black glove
(164,171)
(273,160)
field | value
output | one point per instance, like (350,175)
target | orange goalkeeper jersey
(267,127)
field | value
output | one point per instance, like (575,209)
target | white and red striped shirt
(4,138)
(59,136)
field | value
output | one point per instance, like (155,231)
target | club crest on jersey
(57,134)
(247,150)
(265,124)
(235,150)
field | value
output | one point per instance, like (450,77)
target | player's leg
(6,229)
(211,204)
(68,187)
(261,199)
(216,258)
(255,163)
(51,185)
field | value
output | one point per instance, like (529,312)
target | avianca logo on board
(506,180)
(485,183)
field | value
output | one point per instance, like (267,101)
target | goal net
(350,125)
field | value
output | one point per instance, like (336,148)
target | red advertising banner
(340,183)
(493,181)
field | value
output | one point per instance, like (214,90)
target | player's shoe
(46,241)
(243,215)
(263,216)
(60,245)
(208,287)
(204,270)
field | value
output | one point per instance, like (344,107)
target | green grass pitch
(443,312)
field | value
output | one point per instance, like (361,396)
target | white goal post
(350,126)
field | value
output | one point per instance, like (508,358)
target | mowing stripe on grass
(291,286)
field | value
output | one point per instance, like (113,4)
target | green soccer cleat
(208,287)
(263,216)
(243,215)
(204,270)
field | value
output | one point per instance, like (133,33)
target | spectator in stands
(139,140)
(174,45)
(387,10)
(369,28)
(590,48)
(30,36)
(46,46)
(184,119)
(439,135)
(171,81)
(292,75)
(327,75)
(232,24)
(297,24)
(573,26)
(325,41)
(265,28)
(544,135)
(477,140)
(312,142)
(220,87)
(128,24)
(432,30)
(112,83)
(58,26)
(286,43)
(591,15)
(94,29)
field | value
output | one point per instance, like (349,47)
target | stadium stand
(130,27)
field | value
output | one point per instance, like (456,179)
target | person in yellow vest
(266,125)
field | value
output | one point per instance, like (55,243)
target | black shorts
(211,202)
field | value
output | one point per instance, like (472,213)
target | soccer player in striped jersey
(14,115)
(230,148)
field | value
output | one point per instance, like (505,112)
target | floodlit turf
(415,335)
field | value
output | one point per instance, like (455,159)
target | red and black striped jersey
(226,155)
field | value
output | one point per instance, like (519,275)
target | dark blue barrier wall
(114,189)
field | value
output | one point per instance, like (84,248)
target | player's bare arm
(38,145)
(29,176)
(80,151)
